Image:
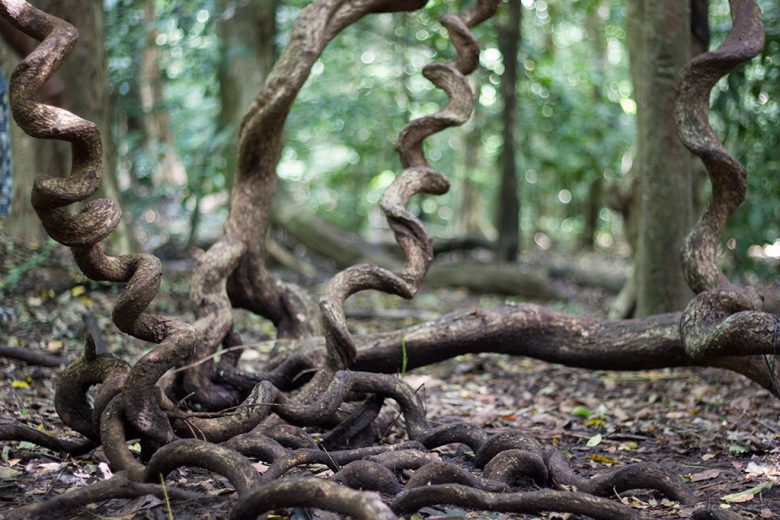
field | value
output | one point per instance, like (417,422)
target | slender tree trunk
(665,165)
(168,169)
(508,194)
(27,160)
(595,197)
(246,30)
(470,217)
(591,212)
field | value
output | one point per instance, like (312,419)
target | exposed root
(312,492)
(19,432)
(70,396)
(724,319)
(338,393)
(530,502)
(118,486)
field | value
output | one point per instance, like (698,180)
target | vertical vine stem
(417,177)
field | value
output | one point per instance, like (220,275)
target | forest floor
(717,431)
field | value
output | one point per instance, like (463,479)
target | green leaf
(738,449)
(582,411)
(594,441)
(748,494)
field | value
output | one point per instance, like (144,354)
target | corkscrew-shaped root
(83,232)
(726,173)
(724,318)
(417,177)
(133,398)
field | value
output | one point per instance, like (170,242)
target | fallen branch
(33,357)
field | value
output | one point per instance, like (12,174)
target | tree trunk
(28,157)
(246,31)
(168,169)
(508,192)
(592,208)
(665,165)
(470,219)
(594,201)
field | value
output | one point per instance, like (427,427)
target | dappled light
(509,312)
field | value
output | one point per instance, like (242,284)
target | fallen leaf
(581,411)
(8,473)
(49,466)
(54,346)
(594,441)
(597,422)
(759,470)
(602,459)
(747,495)
(707,474)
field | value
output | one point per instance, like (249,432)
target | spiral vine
(724,318)
(417,177)
(502,472)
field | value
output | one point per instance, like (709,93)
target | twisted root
(724,319)
(129,405)
(417,177)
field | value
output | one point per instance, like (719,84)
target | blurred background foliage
(576,122)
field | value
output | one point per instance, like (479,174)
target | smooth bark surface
(508,217)
(664,163)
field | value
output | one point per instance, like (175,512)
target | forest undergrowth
(715,430)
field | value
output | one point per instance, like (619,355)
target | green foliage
(576,115)
(189,61)
(404,357)
(746,108)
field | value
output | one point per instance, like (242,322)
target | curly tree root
(724,318)
(343,399)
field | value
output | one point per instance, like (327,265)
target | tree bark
(168,169)
(665,165)
(29,157)
(246,30)
(508,193)
(86,93)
